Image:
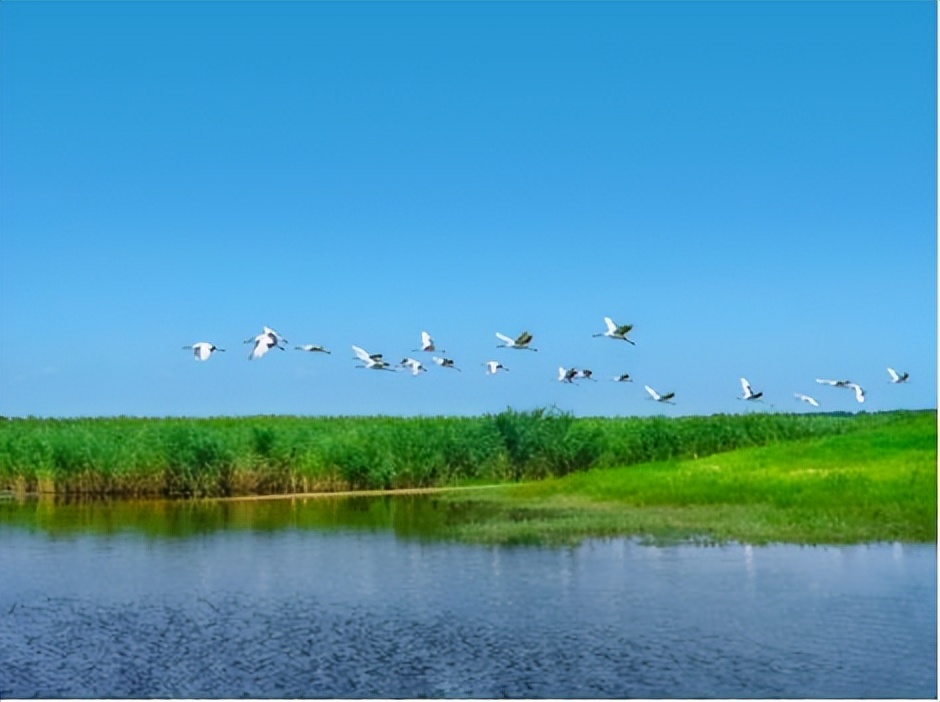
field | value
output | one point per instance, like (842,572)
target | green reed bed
(180,457)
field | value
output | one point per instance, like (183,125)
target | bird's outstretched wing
(746,388)
(653,393)
(859,392)
(427,343)
(524,338)
(611,327)
(504,338)
(361,354)
(894,375)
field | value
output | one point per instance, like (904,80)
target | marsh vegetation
(179,457)
(759,477)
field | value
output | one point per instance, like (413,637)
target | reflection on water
(406,515)
(353,598)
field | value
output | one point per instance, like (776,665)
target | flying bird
(749,393)
(660,398)
(427,343)
(493,366)
(311,348)
(202,350)
(616,331)
(520,342)
(834,383)
(805,398)
(859,392)
(623,378)
(444,362)
(372,361)
(898,377)
(414,365)
(264,342)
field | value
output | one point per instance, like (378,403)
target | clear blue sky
(751,184)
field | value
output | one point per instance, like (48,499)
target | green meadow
(808,478)
(878,483)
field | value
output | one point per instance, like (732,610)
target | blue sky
(752,185)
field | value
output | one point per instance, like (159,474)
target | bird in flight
(493,366)
(414,365)
(311,348)
(749,393)
(264,342)
(898,377)
(202,350)
(372,361)
(660,398)
(444,362)
(616,331)
(427,343)
(520,342)
(859,392)
(806,398)
(834,383)
(623,378)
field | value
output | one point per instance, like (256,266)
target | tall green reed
(270,454)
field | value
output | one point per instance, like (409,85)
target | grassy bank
(875,484)
(174,457)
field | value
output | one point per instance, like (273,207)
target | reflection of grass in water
(267,455)
(872,485)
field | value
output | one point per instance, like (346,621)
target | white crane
(569,375)
(748,391)
(202,350)
(313,348)
(623,378)
(834,383)
(616,331)
(806,398)
(372,361)
(427,343)
(660,398)
(264,342)
(520,342)
(444,362)
(492,367)
(898,377)
(414,365)
(859,392)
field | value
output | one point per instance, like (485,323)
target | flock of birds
(270,339)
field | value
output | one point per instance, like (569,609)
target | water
(354,599)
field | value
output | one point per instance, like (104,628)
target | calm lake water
(355,598)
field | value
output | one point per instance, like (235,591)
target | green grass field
(878,483)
